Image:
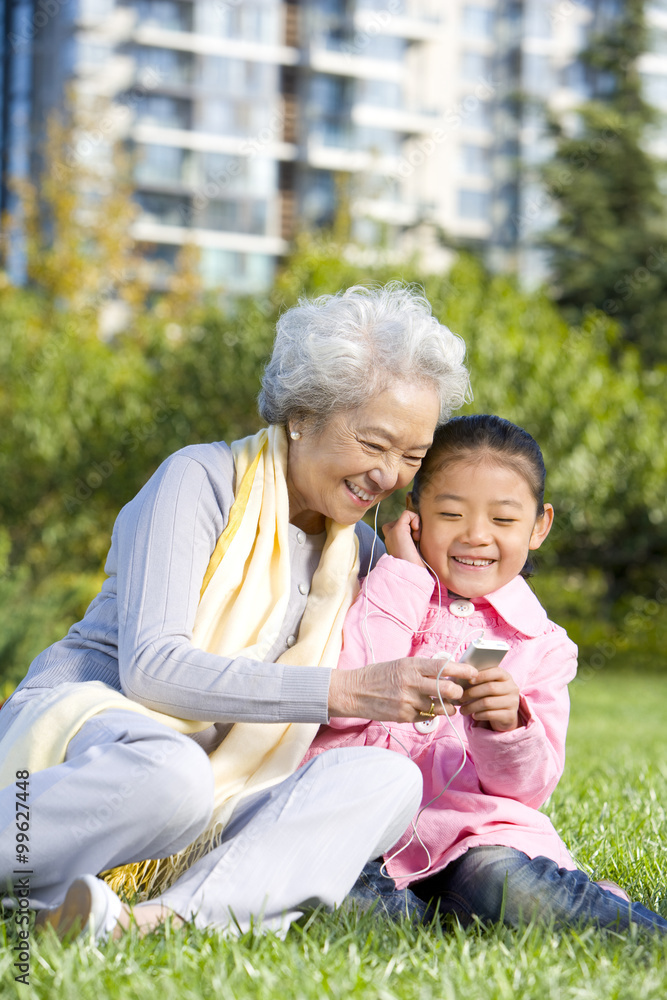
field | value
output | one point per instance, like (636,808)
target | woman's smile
(362,495)
(360,456)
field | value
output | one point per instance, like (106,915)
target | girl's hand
(396,691)
(493,698)
(400,537)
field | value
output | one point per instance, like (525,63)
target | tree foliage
(608,247)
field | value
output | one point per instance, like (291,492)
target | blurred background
(175,173)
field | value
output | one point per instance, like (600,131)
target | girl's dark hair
(485,435)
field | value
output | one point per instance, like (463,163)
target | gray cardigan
(136,634)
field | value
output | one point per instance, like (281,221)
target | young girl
(478,847)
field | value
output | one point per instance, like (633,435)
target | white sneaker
(90,907)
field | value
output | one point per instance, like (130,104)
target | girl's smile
(478,522)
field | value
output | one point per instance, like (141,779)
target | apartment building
(251,119)
(267,115)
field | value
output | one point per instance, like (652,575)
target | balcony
(349,160)
(393,119)
(154,232)
(339,63)
(397,213)
(369,23)
(164,111)
(188,41)
(244,146)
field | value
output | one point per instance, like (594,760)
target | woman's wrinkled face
(360,456)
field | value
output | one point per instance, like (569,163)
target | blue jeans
(501,884)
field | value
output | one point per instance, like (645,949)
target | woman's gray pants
(132,789)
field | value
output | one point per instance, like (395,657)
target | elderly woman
(169,722)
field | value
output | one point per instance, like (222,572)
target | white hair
(333,352)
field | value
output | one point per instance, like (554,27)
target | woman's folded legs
(301,843)
(129,789)
(132,789)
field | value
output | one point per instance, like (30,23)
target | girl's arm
(526,763)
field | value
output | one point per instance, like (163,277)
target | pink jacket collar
(519,607)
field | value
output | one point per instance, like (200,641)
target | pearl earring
(295,435)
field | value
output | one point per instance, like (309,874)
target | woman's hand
(400,537)
(396,691)
(493,698)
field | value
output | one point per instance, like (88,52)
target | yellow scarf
(243,601)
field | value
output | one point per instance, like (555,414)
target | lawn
(610,809)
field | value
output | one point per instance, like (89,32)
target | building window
(537,21)
(170,112)
(95,10)
(397,7)
(240,118)
(168,14)
(476,113)
(655,88)
(380,47)
(242,215)
(475,66)
(259,269)
(658,41)
(334,8)
(169,210)
(329,94)
(537,74)
(245,271)
(378,140)
(477,21)
(476,160)
(474,204)
(169,65)
(159,164)
(319,198)
(336,132)
(222,175)
(238,77)
(246,20)
(218,267)
(91,56)
(381,93)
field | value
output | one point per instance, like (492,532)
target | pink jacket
(507,776)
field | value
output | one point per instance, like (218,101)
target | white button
(291,639)
(426,725)
(461,609)
(300,537)
(303,588)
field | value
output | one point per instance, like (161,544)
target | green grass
(610,809)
